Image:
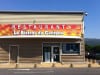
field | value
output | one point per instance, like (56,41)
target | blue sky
(92,7)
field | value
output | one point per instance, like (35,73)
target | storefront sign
(40,30)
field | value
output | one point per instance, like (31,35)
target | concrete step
(48,65)
(7,65)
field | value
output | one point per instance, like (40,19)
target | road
(53,71)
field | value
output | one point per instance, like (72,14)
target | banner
(40,29)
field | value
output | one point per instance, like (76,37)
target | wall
(40,18)
(31,49)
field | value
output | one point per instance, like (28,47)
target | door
(46,54)
(56,54)
(14,53)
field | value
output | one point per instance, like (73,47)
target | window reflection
(70,48)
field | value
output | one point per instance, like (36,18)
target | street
(51,71)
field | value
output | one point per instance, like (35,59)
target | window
(70,48)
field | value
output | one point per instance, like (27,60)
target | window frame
(70,53)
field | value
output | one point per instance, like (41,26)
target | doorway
(51,53)
(56,54)
(46,54)
(14,53)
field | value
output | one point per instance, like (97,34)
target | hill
(92,41)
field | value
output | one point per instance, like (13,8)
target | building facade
(37,37)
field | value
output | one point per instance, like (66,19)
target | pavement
(50,65)
(51,71)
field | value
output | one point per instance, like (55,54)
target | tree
(96,49)
(88,48)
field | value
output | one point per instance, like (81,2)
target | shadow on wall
(29,50)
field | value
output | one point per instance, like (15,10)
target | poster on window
(41,30)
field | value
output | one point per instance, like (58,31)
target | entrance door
(46,54)
(14,53)
(56,54)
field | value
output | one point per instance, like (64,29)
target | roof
(44,12)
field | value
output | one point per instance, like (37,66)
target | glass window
(70,48)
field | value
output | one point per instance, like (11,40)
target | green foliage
(88,48)
(96,49)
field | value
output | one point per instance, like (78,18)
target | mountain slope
(92,41)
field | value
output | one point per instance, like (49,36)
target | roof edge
(44,12)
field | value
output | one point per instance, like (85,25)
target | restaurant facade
(41,37)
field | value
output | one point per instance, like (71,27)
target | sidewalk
(50,65)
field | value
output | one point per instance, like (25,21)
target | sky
(92,7)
